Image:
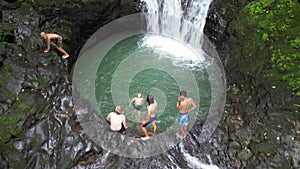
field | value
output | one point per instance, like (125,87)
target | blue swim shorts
(183,119)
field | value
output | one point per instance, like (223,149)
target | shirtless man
(117,120)
(185,105)
(150,118)
(48,38)
(138,102)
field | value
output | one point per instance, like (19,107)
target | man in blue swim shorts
(183,119)
(150,118)
(184,105)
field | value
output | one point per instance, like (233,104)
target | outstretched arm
(48,45)
(131,101)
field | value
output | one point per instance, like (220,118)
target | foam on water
(177,19)
(172,49)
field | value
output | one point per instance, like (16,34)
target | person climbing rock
(50,36)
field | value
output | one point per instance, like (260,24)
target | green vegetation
(5,31)
(277,23)
(263,148)
(24,7)
(271,33)
(43,83)
(7,129)
(16,120)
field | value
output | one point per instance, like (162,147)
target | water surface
(143,64)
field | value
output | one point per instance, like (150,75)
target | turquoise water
(121,66)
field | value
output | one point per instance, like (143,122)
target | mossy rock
(6,32)
(265,38)
(263,148)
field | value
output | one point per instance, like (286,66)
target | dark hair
(183,93)
(150,99)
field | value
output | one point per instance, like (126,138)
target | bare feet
(179,136)
(145,138)
(65,56)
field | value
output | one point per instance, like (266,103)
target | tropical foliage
(276,33)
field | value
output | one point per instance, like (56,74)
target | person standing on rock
(50,36)
(184,105)
(117,120)
(150,118)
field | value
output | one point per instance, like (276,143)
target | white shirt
(116,121)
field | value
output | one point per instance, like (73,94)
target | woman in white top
(117,120)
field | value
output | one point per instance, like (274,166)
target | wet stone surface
(39,125)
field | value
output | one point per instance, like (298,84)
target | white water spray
(185,20)
(195,162)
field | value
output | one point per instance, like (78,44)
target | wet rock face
(220,14)
(38,127)
(258,130)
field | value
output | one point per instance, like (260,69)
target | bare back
(116,120)
(152,109)
(52,35)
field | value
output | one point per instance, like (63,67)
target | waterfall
(184,20)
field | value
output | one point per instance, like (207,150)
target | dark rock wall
(38,127)
(260,128)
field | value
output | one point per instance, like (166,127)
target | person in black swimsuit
(150,118)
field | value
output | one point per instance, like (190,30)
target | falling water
(184,20)
(195,162)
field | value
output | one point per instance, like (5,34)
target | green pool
(131,67)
